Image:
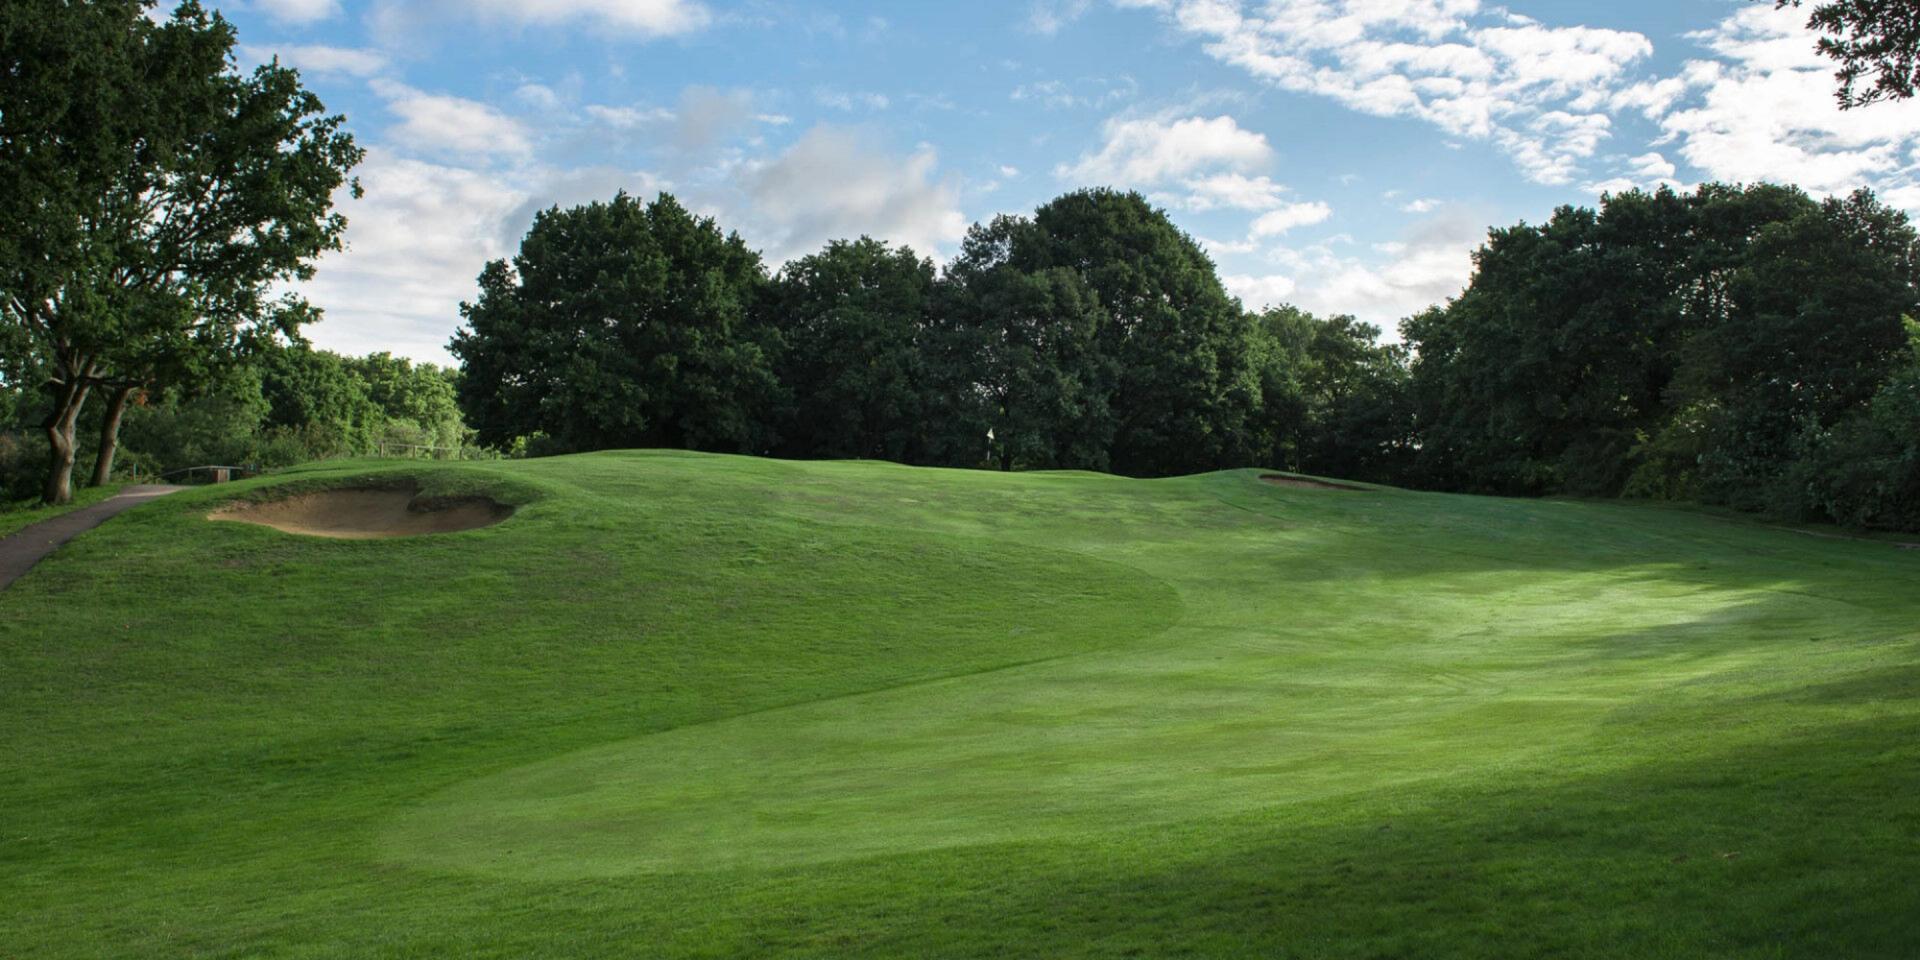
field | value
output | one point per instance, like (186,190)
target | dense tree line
(1716,346)
(1740,345)
(278,406)
(1092,335)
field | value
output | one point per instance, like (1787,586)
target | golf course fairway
(685,705)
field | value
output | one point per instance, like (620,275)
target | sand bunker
(1282,480)
(367,513)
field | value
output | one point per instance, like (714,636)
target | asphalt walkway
(24,548)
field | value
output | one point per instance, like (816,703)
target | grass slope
(697,706)
(18,514)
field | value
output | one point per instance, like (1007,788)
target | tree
(1877,37)
(1666,345)
(424,396)
(1335,399)
(155,198)
(618,325)
(319,395)
(1033,382)
(850,321)
(1187,389)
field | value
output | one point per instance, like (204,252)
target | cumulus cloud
(1472,72)
(448,125)
(1230,190)
(1260,292)
(1198,164)
(1387,283)
(837,183)
(1148,150)
(1280,220)
(418,238)
(415,243)
(1762,108)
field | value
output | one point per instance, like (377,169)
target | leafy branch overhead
(1875,42)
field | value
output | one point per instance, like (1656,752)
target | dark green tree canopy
(618,325)
(1167,373)
(850,320)
(1744,314)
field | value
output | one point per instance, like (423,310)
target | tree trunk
(110,435)
(68,399)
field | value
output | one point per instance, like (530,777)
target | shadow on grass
(1803,848)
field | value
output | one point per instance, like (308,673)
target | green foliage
(1336,400)
(1026,348)
(1865,472)
(1099,337)
(618,325)
(1665,345)
(418,402)
(218,426)
(1185,389)
(156,199)
(850,362)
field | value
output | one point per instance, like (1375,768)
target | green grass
(23,513)
(698,706)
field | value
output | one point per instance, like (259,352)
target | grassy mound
(687,706)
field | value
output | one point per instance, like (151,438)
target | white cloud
(415,243)
(646,18)
(1431,263)
(1147,150)
(539,96)
(1085,92)
(419,237)
(439,124)
(1764,109)
(1048,16)
(1420,205)
(850,101)
(297,11)
(629,117)
(836,184)
(707,116)
(1279,221)
(1259,293)
(1651,165)
(1231,190)
(1471,72)
(317,59)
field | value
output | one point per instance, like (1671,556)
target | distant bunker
(367,513)
(1282,480)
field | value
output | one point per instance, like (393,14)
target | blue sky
(1344,155)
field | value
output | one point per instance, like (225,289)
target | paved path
(24,548)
